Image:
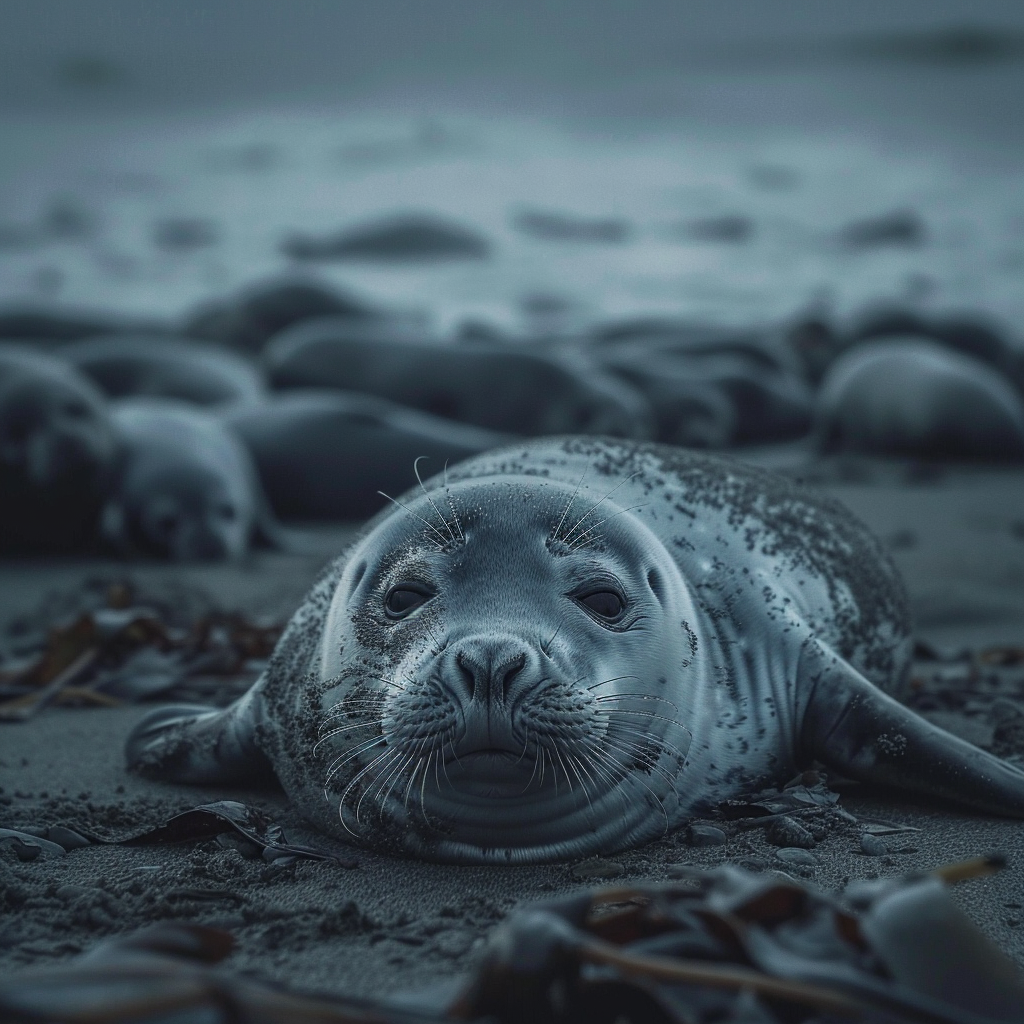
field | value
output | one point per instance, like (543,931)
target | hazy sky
(183,51)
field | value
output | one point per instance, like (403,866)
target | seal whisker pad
(491,689)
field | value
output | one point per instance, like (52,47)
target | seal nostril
(487,673)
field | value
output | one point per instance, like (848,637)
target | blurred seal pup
(160,366)
(570,647)
(186,488)
(911,397)
(57,453)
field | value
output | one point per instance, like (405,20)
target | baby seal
(185,488)
(570,646)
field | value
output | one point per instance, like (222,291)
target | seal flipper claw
(857,729)
(192,743)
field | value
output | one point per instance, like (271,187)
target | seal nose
(487,666)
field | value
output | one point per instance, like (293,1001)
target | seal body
(156,366)
(185,489)
(57,453)
(499,387)
(570,646)
(327,455)
(908,396)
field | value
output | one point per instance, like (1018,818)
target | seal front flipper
(852,726)
(194,744)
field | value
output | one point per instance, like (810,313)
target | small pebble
(598,869)
(789,833)
(796,855)
(705,835)
(872,845)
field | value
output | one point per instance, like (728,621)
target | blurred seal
(327,455)
(57,453)
(500,387)
(186,488)
(910,397)
(158,366)
(569,647)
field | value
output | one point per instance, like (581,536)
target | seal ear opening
(855,728)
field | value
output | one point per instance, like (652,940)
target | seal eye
(404,598)
(604,604)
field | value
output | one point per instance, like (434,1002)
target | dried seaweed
(725,946)
(124,651)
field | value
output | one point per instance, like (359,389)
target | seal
(57,453)
(327,455)
(572,646)
(910,397)
(499,387)
(185,488)
(162,366)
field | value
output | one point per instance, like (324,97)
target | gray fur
(507,720)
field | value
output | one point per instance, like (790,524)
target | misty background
(153,156)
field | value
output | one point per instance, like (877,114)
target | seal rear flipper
(855,728)
(196,744)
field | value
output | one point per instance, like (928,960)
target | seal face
(571,646)
(185,488)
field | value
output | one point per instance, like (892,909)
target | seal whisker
(633,777)
(419,480)
(614,679)
(637,753)
(392,756)
(636,696)
(340,762)
(575,761)
(339,731)
(546,647)
(641,714)
(582,538)
(451,504)
(666,746)
(586,515)
(416,515)
(352,782)
(554,533)
(382,798)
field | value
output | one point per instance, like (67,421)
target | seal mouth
(489,772)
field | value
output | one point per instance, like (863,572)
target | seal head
(505,695)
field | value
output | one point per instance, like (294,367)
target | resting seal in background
(158,366)
(499,387)
(327,455)
(906,396)
(185,488)
(57,453)
(572,646)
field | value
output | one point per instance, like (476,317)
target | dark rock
(796,856)
(598,869)
(786,831)
(705,835)
(872,845)
(183,234)
(902,229)
(560,227)
(405,238)
(732,228)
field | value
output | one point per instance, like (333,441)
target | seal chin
(533,830)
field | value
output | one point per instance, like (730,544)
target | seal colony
(570,646)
